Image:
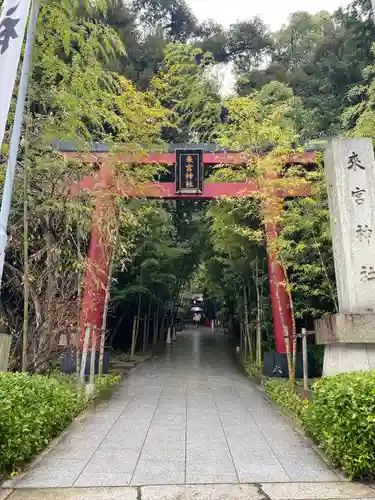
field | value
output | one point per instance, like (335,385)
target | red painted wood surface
(170,158)
(167,190)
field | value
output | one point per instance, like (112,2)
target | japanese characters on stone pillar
(350,334)
(350,176)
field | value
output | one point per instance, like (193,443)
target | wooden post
(5,343)
(84,358)
(294,353)
(305,360)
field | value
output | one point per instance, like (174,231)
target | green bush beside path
(340,418)
(35,409)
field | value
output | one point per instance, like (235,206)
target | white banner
(12,31)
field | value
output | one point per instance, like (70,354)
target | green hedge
(342,421)
(341,418)
(280,392)
(32,411)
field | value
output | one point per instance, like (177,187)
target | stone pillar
(349,336)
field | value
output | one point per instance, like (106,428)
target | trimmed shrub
(33,410)
(341,418)
(105,382)
(280,392)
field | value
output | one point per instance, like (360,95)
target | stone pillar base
(342,358)
(349,341)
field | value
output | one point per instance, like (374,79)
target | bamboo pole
(161,331)
(5,343)
(258,320)
(245,348)
(290,360)
(156,325)
(26,287)
(79,300)
(247,330)
(148,321)
(294,353)
(101,352)
(90,388)
(144,334)
(241,334)
(134,338)
(107,297)
(93,355)
(139,302)
(84,358)
(305,360)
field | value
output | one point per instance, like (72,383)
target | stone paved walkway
(187,417)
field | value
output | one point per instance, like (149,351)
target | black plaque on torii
(189,171)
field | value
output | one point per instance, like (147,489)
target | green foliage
(105,382)
(102,382)
(32,411)
(321,57)
(341,418)
(359,118)
(306,249)
(280,392)
(317,352)
(35,409)
(261,119)
(252,368)
(185,86)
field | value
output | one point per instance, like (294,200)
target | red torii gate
(105,183)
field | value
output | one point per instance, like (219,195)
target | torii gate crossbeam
(104,183)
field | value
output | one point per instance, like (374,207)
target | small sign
(189,171)
(63,340)
(169,305)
